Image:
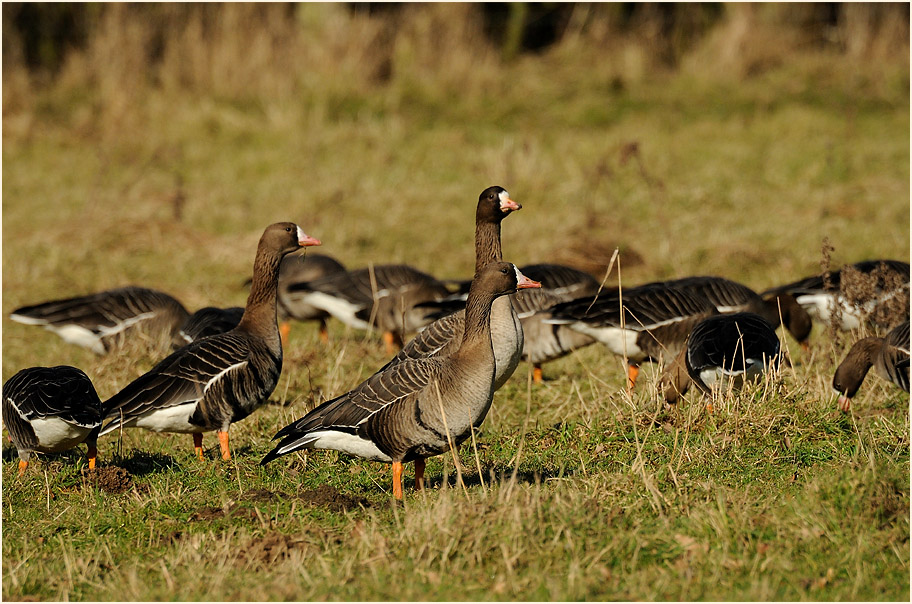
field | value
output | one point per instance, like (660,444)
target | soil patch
(329,497)
(110,479)
(271,548)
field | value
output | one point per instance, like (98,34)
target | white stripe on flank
(340,441)
(338,307)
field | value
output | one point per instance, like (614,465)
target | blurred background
(157,140)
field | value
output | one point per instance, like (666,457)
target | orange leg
(397,479)
(709,407)
(537,374)
(805,346)
(632,372)
(419,473)
(93,454)
(393,342)
(198,444)
(284,330)
(22,466)
(223,444)
(324,332)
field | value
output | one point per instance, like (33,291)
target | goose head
(286,237)
(502,278)
(494,204)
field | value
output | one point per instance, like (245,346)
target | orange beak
(508,205)
(524,282)
(307,241)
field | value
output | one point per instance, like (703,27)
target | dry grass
(376,134)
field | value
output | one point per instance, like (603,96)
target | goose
(732,297)
(872,290)
(381,296)
(417,408)
(544,342)
(888,355)
(721,350)
(653,326)
(209,321)
(103,321)
(443,337)
(297,268)
(51,409)
(216,381)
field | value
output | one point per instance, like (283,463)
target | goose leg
(22,466)
(632,372)
(393,342)
(537,373)
(419,473)
(223,444)
(93,453)
(284,330)
(198,444)
(397,479)
(324,332)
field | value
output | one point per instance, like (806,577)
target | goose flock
(438,386)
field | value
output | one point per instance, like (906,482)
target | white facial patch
(301,234)
(519,275)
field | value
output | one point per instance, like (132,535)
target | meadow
(741,167)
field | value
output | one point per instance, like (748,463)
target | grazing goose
(102,321)
(722,350)
(216,381)
(653,326)
(51,409)
(442,337)
(543,342)
(299,268)
(419,407)
(872,290)
(732,297)
(889,356)
(209,321)
(381,296)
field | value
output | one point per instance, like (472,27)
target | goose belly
(346,443)
(338,307)
(80,336)
(622,342)
(714,377)
(168,419)
(822,307)
(506,339)
(55,434)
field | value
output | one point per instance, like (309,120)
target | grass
(583,492)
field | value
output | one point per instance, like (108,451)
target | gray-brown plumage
(653,325)
(722,350)
(216,381)
(209,321)
(888,355)
(419,407)
(442,337)
(732,297)
(103,321)
(382,296)
(544,342)
(51,409)
(298,268)
(873,291)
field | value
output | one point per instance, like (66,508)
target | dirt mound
(271,548)
(111,479)
(329,497)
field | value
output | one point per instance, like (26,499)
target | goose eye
(504,271)
(287,229)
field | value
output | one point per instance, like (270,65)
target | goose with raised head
(646,323)
(216,381)
(722,351)
(103,321)
(416,408)
(544,342)
(443,337)
(888,355)
(874,291)
(51,409)
(382,296)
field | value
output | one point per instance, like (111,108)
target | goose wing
(63,392)
(182,377)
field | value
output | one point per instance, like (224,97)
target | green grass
(583,493)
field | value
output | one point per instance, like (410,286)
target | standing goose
(732,297)
(443,337)
(216,381)
(722,350)
(872,290)
(102,321)
(646,323)
(382,296)
(51,409)
(417,408)
(543,342)
(889,356)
